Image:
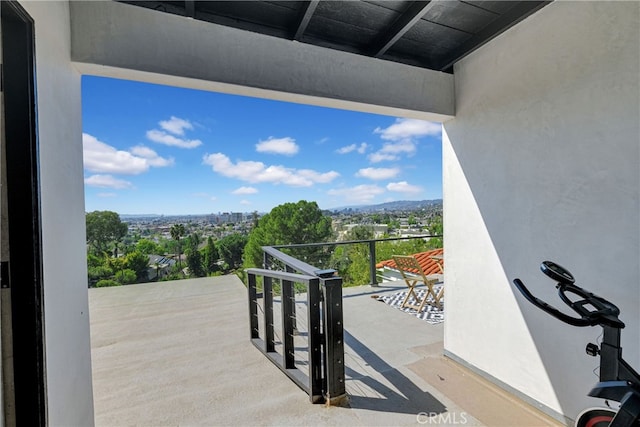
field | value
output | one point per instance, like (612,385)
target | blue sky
(173,151)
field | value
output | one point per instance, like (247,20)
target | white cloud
(286,146)
(107,181)
(346,149)
(392,151)
(281,174)
(380,157)
(357,194)
(409,128)
(100,157)
(255,172)
(378,173)
(405,146)
(245,190)
(152,157)
(318,177)
(107,195)
(362,148)
(404,187)
(162,137)
(176,125)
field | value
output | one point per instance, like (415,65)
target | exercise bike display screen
(556,272)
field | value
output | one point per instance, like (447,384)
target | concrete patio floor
(178,353)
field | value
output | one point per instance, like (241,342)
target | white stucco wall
(68,352)
(542,162)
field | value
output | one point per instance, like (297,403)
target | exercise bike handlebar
(592,309)
(575,321)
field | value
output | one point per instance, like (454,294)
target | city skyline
(151,149)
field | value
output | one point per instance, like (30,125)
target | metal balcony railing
(370,243)
(290,279)
(324,381)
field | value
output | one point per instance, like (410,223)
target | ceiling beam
(305,17)
(408,19)
(190,9)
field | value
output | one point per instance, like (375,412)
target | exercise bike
(618,381)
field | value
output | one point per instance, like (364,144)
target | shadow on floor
(393,392)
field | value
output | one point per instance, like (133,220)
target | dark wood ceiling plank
(403,24)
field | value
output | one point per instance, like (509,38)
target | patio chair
(413,276)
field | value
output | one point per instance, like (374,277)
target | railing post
(335,391)
(253,307)
(267,292)
(265,261)
(372,263)
(288,304)
(288,269)
(315,341)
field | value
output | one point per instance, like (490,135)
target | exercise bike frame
(618,380)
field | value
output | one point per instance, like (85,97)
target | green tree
(126,276)
(116,264)
(107,282)
(177,231)
(360,232)
(138,262)
(290,223)
(95,260)
(394,224)
(194,257)
(148,247)
(231,249)
(385,250)
(352,261)
(99,273)
(164,245)
(436,229)
(103,229)
(211,256)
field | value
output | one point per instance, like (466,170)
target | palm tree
(157,267)
(177,231)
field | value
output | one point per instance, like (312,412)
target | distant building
(159,267)
(378,229)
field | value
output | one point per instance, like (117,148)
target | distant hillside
(399,205)
(130,216)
